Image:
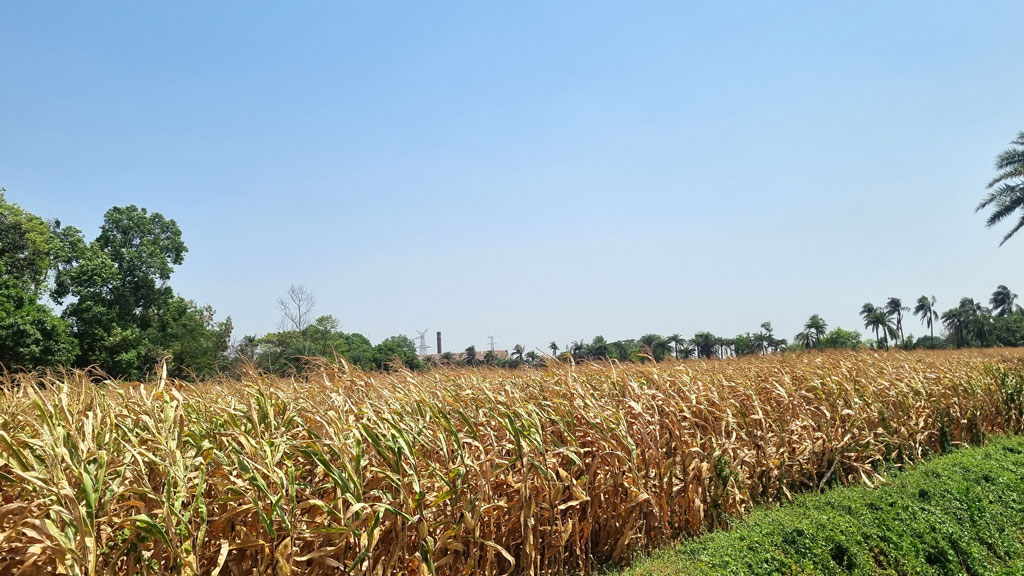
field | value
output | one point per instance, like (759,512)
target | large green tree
(396,351)
(839,338)
(124,314)
(745,344)
(1006,190)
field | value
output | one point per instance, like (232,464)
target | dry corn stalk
(459,471)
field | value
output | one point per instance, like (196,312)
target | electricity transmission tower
(422,347)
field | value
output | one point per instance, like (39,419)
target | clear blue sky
(535,171)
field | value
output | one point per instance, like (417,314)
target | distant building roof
(480,355)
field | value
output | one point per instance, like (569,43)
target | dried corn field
(461,471)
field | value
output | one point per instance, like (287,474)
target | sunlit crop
(459,471)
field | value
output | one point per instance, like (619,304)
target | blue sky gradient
(534,171)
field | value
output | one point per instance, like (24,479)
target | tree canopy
(120,313)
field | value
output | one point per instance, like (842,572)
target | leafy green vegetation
(956,514)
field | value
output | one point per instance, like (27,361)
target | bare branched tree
(296,308)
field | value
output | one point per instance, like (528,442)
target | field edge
(960,513)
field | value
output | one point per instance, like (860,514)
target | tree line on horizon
(121,315)
(969,324)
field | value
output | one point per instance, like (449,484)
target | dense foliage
(119,311)
(290,351)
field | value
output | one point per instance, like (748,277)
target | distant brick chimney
(439,342)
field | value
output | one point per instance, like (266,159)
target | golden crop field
(460,471)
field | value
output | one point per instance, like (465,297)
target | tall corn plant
(554,470)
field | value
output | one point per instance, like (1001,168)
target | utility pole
(491,338)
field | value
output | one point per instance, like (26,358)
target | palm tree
(895,307)
(1006,194)
(816,329)
(517,353)
(760,342)
(471,355)
(554,349)
(576,349)
(770,343)
(688,350)
(867,313)
(704,344)
(1002,301)
(955,320)
(655,345)
(879,320)
(725,347)
(981,327)
(676,340)
(925,308)
(803,339)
